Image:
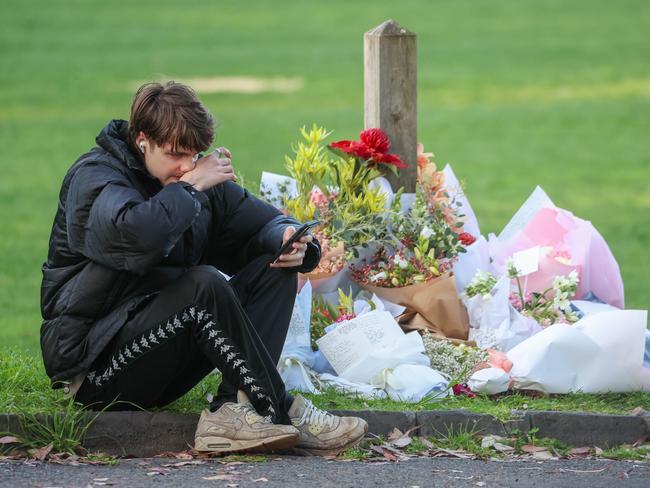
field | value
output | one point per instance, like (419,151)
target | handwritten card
(354,339)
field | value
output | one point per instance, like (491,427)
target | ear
(140,138)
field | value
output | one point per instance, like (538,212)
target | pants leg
(267,295)
(192,326)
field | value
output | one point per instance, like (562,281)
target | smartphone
(302,230)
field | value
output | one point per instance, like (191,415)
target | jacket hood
(114,138)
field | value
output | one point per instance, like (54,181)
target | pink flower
(317,198)
(515,301)
(424,159)
(498,359)
(345,316)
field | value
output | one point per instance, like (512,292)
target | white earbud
(141,147)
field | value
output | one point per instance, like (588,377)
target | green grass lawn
(25,389)
(514,94)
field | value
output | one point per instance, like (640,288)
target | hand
(211,170)
(296,256)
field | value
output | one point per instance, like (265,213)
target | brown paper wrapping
(322,279)
(433,304)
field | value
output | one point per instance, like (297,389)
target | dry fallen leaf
(384,452)
(222,477)
(175,455)
(439,452)
(543,455)
(529,448)
(395,434)
(577,451)
(41,453)
(8,439)
(402,442)
(503,447)
(428,444)
(182,463)
(567,470)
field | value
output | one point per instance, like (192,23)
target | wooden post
(390,94)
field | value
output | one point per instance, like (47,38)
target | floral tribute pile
(416,256)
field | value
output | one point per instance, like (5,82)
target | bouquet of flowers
(325,314)
(501,318)
(335,190)
(549,306)
(416,252)
(401,268)
(421,244)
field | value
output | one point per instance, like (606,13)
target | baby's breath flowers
(458,362)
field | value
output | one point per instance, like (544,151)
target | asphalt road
(295,471)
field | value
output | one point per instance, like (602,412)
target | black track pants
(198,323)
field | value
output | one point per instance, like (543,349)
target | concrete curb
(143,434)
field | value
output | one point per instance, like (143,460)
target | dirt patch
(237,84)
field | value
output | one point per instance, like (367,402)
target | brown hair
(171,114)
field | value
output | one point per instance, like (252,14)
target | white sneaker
(322,433)
(238,427)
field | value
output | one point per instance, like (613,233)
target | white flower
(426,232)
(513,272)
(481,284)
(379,276)
(400,261)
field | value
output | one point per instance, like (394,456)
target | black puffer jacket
(118,237)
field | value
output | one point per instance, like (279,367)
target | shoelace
(314,415)
(255,417)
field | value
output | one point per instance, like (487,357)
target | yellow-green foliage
(309,167)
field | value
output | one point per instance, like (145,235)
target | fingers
(289,260)
(288,232)
(223,152)
(296,256)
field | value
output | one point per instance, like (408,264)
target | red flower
(466,238)
(375,140)
(373,146)
(463,390)
(390,159)
(348,147)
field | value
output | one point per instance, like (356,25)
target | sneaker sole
(222,444)
(309,451)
